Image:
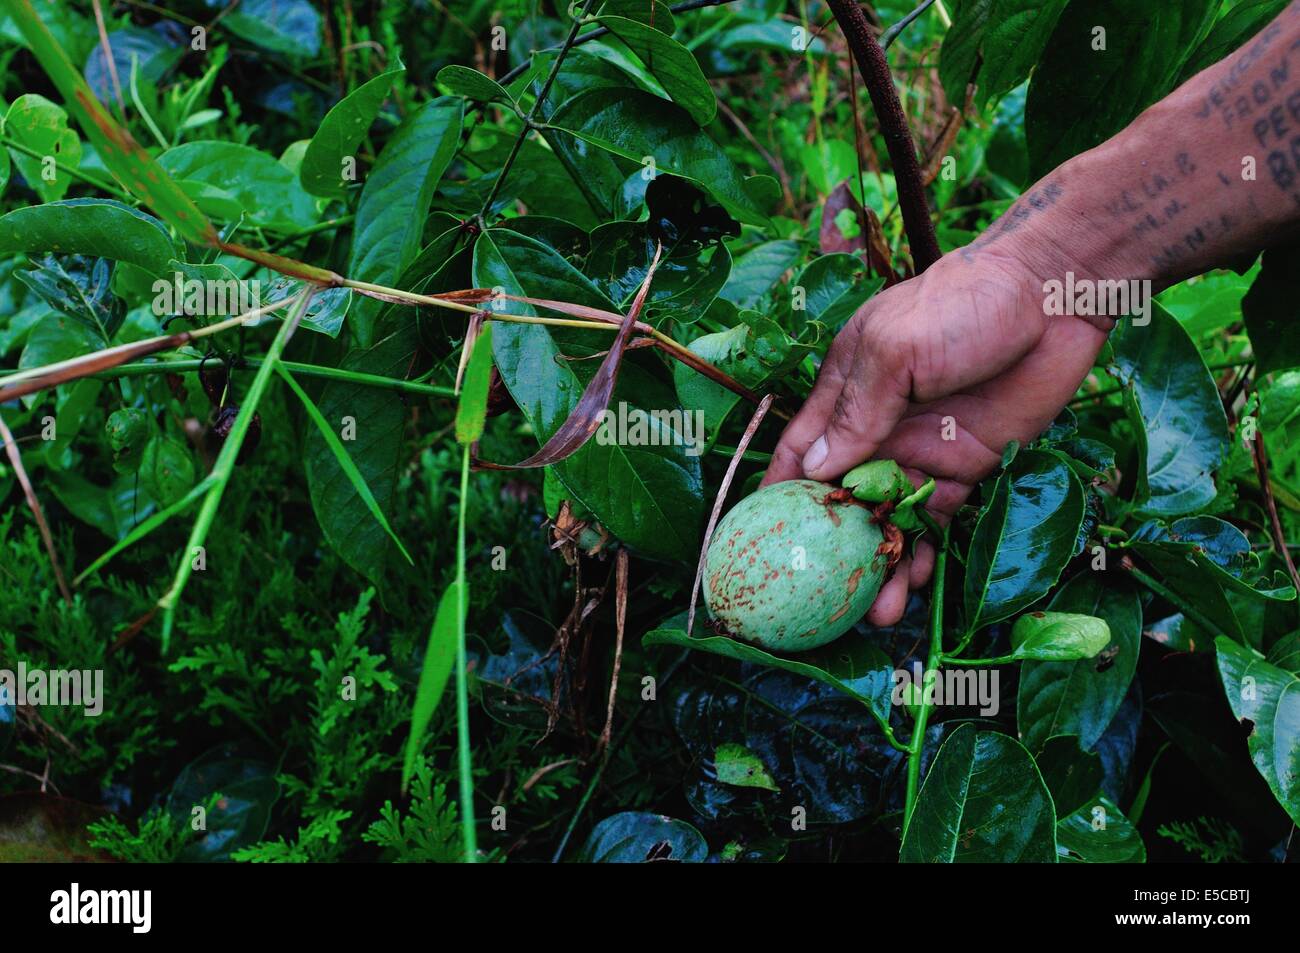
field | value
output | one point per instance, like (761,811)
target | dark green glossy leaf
(686,282)
(672,64)
(983,801)
(1266,700)
(653,13)
(824,750)
(1081,697)
(167,470)
(1098,833)
(98,228)
(651,497)
(1175,408)
(395,201)
(248,790)
(834,288)
(640,125)
(372,422)
(1091,93)
(1072,775)
(339,135)
(851,665)
(1270,310)
(149,52)
(636,838)
(1024,538)
(1203,559)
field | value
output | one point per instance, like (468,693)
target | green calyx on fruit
(883,481)
(795,565)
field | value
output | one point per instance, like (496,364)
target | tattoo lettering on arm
(1036,200)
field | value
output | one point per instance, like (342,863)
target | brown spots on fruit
(854,579)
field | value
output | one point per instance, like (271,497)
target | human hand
(939,373)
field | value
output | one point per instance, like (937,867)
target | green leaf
(1099,833)
(1013,41)
(672,64)
(1231,32)
(1025,536)
(167,470)
(42,126)
(738,766)
(1269,308)
(340,134)
(851,665)
(470,83)
(636,838)
(1175,408)
(395,200)
(248,792)
(1266,700)
(753,352)
(1090,93)
(379,418)
(132,166)
(1203,559)
(652,13)
(471,412)
(343,457)
(983,801)
(289,27)
(637,125)
(1058,636)
(439,658)
(961,47)
(757,271)
(1073,776)
(649,496)
(686,282)
(263,189)
(1081,697)
(834,288)
(97,227)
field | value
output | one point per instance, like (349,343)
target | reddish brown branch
(874,67)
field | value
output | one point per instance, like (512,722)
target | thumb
(870,404)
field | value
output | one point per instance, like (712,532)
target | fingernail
(815,456)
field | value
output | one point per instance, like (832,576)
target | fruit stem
(916,744)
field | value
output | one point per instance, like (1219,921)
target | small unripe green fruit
(793,566)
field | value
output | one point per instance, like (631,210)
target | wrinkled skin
(793,567)
(969,340)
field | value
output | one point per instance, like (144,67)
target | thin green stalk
(916,744)
(225,464)
(462,687)
(142,368)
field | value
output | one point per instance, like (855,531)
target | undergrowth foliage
(374,369)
